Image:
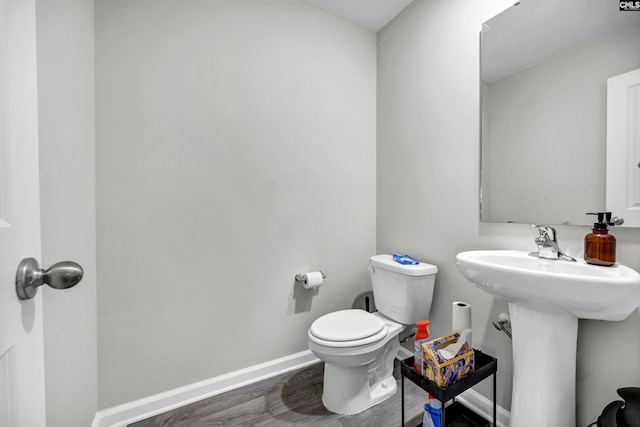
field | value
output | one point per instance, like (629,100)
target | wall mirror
(544,66)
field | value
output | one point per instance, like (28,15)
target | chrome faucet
(548,245)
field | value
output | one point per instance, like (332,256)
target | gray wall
(67,174)
(220,180)
(235,147)
(428,121)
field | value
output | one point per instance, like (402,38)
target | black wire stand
(486,366)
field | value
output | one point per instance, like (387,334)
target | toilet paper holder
(302,279)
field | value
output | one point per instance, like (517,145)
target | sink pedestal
(544,367)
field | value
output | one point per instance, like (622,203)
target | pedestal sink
(546,299)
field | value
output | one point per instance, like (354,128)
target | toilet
(359,347)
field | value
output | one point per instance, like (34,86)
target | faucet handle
(548,245)
(546,231)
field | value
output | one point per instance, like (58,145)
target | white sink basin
(546,298)
(576,288)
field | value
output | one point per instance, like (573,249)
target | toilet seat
(347,328)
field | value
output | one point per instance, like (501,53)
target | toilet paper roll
(461,318)
(312,279)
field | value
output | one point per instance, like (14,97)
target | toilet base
(347,391)
(352,389)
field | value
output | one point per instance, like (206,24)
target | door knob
(61,275)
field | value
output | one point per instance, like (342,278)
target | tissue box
(445,372)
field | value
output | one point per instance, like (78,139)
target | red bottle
(422,336)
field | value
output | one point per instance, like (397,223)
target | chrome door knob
(61,275)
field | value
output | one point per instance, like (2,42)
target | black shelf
(485,366)
(459,415)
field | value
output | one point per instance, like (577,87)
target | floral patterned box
(445,372)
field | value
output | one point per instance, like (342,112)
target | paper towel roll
(461,318)
(312,279)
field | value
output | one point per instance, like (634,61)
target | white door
(21,344)
(623,147)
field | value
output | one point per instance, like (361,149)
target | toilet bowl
(359,347)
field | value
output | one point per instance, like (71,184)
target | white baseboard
(403,353)
(484,407)
(122,415)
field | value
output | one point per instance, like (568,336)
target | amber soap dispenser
(599,245)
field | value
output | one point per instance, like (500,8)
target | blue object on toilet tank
(405,259)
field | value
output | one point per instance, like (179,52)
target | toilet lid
(346,325)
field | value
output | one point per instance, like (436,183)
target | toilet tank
(402,292)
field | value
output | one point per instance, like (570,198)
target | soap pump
(599,245)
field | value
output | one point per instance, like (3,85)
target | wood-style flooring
(291,399)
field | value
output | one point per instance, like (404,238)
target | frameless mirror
(544,70)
